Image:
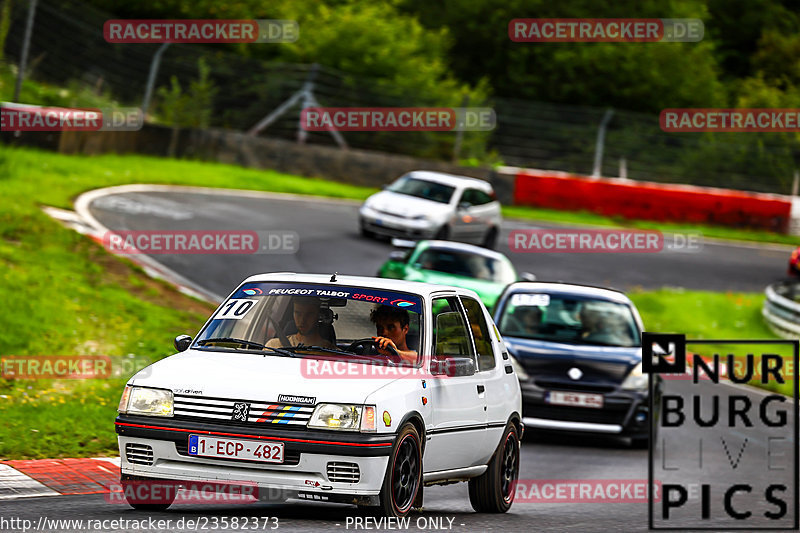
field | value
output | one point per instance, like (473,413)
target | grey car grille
(343,472)
(139,454)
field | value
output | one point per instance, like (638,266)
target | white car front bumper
(310,475)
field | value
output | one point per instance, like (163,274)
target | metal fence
(67,47)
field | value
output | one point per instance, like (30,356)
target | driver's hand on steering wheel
(383,344)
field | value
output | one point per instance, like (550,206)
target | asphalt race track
(329,242)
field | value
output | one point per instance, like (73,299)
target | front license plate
(246,450)
(575,399)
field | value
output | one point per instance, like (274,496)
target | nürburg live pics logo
(723,452)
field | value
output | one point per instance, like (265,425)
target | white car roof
(451,179)
(569,288)
(414,287)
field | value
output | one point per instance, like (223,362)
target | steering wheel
(359,346)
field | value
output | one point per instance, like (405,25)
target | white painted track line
(14,484)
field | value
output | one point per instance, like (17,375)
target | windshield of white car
(418,188)
(569,319)
(298,319)
(466,264)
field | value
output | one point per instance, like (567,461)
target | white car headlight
(146,401)
(636,380)
(369,203)
(518,370)
(338,416)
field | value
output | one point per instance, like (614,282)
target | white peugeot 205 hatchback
(342,389)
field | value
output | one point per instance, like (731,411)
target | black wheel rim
(509,467)
(405,474)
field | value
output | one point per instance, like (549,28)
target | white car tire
(493,491)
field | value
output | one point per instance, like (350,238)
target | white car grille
(229,411)
(398,215)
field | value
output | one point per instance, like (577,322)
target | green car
(453,263)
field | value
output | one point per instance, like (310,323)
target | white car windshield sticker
(530,299)
(236,309)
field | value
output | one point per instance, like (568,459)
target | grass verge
(710,315)
(64,295)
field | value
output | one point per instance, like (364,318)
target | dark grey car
(577,352)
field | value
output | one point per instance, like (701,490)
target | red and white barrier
(653,201)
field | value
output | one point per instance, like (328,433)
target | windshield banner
(405,301)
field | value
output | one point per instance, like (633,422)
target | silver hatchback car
(425,205)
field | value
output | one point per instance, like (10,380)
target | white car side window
(451,336)
(481,334)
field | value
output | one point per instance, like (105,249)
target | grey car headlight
(146,401)
(636,380)
(336,416)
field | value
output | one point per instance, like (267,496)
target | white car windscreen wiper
(231,340)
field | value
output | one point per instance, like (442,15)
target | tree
(187,110)
(5,23)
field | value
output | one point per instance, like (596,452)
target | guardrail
(781,309)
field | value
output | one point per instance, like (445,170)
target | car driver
(391,326)
(305,311)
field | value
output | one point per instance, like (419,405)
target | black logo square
(657,346)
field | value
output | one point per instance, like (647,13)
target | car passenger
(391,326)
(598,327)
(525,320)
(305,312)
(531,319)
